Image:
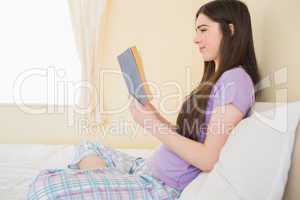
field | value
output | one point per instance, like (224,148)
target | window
(39,60)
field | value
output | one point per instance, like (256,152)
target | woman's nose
(196,40)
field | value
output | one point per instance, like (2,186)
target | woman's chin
(206,59)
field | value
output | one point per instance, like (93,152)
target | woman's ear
(231,27)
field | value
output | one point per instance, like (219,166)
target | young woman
(222,99)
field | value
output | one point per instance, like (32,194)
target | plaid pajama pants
(125,177)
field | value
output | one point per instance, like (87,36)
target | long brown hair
(235,50)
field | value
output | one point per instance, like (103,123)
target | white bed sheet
(20,163)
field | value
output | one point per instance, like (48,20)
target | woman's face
(208,38)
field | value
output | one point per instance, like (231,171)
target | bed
(19,165)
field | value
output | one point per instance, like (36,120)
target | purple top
(234,86)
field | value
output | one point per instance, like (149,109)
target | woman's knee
(92,162)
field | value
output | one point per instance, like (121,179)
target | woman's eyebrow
(202,25)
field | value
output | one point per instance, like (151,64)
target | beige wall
(280,30)
(163,32)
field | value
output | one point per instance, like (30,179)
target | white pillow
(255,160)
(209,186)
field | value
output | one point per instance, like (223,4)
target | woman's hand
(145,115)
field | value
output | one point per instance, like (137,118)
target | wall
(163,32)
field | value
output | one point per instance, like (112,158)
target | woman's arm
(204,156)
(163,119)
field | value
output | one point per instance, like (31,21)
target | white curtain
(86,18)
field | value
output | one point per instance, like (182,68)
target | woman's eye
(203,30)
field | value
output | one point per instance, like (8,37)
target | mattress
(20,163)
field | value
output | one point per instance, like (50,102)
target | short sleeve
(235,87)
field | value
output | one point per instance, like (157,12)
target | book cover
(133,74)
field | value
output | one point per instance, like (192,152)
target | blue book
(133,74)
